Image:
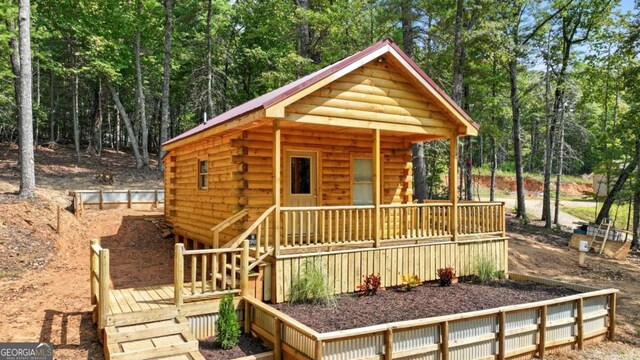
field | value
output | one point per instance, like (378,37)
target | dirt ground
(44,276)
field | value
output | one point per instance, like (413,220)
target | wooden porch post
(453,193)
(376,185)
(276,185)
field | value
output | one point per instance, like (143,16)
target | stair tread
(170,339)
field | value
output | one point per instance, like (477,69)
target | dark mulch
(248,345)
(424,301)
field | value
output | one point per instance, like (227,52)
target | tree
(577,22)
(141,104)
(128,125)
(27,164)
(166,79)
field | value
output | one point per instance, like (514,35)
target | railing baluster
(258,240)
(214,272)
(193,274)
(223,265)
(234,269)
(286,228)
(308,227)
(302,228)
(203,270)
(330,229)
(315,227)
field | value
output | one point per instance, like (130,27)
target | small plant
(312,286)
(227,328)
(370,285)
(409,281)
(446,275)
(487,270)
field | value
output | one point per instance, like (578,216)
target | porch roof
(271,104)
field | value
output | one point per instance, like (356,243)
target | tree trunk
(494,167)
(521,211)
(36,129)
(127,123)
(15,67)
(27,164)
(142,115)
(611,195)
(636,199)
(407,28)
(417,149)
(74,115)
(52,123)
(303,30)
(560,157)
(95,141)
(210,111)
(118,132)
(166,78)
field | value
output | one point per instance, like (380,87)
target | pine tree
(227,329)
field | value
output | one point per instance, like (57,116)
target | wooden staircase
(160,339)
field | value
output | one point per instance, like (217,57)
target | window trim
(201,174)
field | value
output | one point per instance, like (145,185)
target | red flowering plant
(370,285)
(446,275)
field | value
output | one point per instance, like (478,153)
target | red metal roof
(277,95)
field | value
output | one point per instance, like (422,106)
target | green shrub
(227,328)
(486,270)
(312,286)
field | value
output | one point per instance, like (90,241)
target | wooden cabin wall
(195,210)
(377,94)
(334,161)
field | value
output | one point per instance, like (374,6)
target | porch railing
(415,221)
(326,225)
(481,218)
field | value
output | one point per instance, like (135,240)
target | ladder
(606,225)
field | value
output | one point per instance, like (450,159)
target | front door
(301,185)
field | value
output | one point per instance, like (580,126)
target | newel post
(178,274)
(453,193)
(276,184)
(103,291)
(244,268)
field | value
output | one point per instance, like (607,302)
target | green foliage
(227,328)
(486,269)
(312,285)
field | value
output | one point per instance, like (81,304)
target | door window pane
(300,175)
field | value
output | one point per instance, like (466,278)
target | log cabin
(322,168)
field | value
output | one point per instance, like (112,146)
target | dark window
(203,170)
(300,175)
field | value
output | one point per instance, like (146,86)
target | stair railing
(207,281)
(225,224)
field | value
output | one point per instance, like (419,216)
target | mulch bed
(248,345)
(425,301)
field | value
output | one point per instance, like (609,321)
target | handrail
(235,242)
(314,208)
(286,319)
(230,220)
(226,223)
(416,205)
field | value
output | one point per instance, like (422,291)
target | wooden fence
(99,277)
(113,198)
(505,332)
(346,268)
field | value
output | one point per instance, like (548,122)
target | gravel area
(248,345)
(429,300)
